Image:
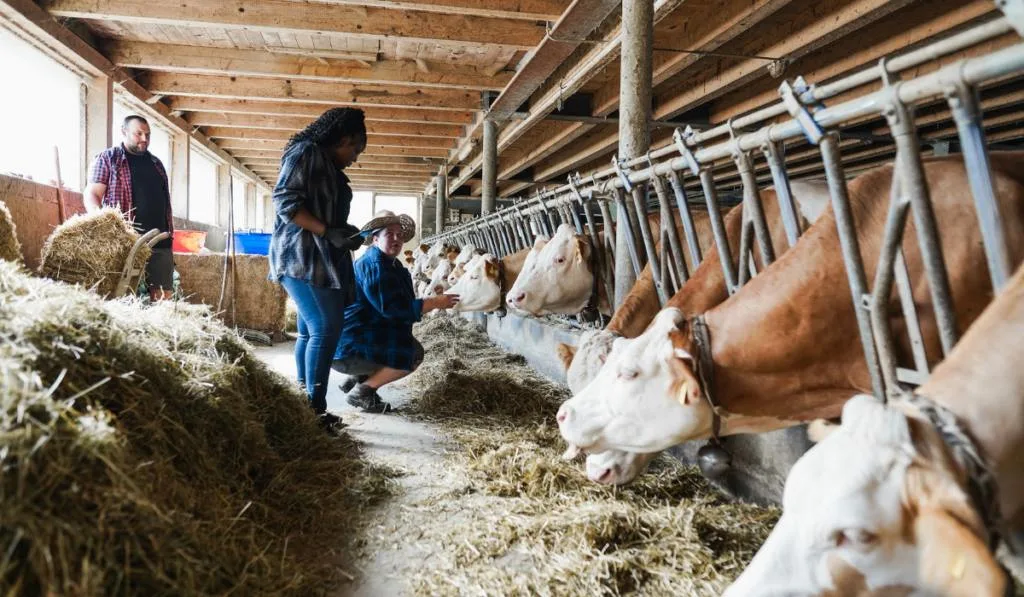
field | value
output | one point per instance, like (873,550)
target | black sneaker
(330,421)
(377,405)
(348,384)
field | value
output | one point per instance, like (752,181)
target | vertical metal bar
(575,218)
(892,239)
(906,293)
(609,227)
(963,102)
(752,204)
(790,221)
(599,249)
(707,183)
(908,167)
(670,235)
(625,227)
(684,212)
(743,262)
(829,145)
(648,239)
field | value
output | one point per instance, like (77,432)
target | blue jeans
(321,313)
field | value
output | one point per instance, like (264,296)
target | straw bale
(91,250)
(291,316)
(147,451)
(259,303)
(10,248)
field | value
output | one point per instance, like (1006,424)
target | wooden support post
(180,152)
(490,167)
(373,202)
(224,196)
(441,193)
(98,125)
(634,114)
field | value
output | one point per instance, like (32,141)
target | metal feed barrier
(689,166)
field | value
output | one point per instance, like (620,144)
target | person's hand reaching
(445,301)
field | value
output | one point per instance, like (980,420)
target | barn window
(42,112)
(202,186)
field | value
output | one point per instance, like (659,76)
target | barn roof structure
(245,75)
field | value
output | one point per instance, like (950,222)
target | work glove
(343,238)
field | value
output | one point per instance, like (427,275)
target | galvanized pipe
(670,237)
(913,184)
(626,231)
(850,246)
(963,102)
(598,246)
(648,240)
(684,213)
(776,164)
(892,240)
(752,206)
(707,183)
(743,261)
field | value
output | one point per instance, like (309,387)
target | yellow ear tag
(683,390)
(959,565)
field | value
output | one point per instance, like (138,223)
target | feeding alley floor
(483,504)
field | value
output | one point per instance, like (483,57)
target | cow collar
(705,369)
(981,482)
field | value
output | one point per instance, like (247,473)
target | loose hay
(91,250)
(10,248)
(250,300)
(146,451)
(526,522)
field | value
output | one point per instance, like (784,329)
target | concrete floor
(417,449)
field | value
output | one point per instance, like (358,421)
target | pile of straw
(10,248)
(291,316)
(146,451)
(526,522)
(249,301)
(91,250)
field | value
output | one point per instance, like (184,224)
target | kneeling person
(377,346)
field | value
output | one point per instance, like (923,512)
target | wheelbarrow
(131,274)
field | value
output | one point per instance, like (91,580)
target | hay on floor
(250,300)
(527,522)
(10,248)
(91,250)
(147,451)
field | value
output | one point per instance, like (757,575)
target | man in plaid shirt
(129,178)
(377,346)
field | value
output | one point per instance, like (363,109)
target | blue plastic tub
(252,243)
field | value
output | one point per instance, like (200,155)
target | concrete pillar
(634,113)
(180,152)
(98,122)
(224,196)
(250,206)
(490,167)
(269,216)
(441,194)
(373,202)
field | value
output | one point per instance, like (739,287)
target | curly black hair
(331,127)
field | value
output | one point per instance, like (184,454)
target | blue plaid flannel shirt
(378,324)
(310,179)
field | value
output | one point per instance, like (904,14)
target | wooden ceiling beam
(296,123)
(335,94)
(205,60)
(277,16)
(292,108)
(527,10)
(215,132)
(245,146)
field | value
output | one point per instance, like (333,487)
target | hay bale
(291,316)
(147,451)
(10,248)
(250,300)
(91,250)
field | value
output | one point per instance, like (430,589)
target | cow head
(438,283)
(615,467)
(583,361)
(560,279)
(645,398)
(479,288)
(880,496)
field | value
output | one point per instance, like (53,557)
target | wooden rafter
(180,84)
(242,62)
(276,16)
(528,10)
(294,123)
(232,133)
(275,108)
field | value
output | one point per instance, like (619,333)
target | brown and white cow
(785,348)
(884,495)
(482,286)
(705,289)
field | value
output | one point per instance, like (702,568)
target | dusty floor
(389,557)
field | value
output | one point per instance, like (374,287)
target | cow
(438,283)
(486,280)
(785,348)
(467,254)
(705,289)
(884,494)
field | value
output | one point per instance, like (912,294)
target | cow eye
(628,374)
(854,537)
(474,277)
(560,260)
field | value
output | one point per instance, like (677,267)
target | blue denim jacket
(310,179)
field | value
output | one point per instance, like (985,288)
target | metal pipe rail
(810,95)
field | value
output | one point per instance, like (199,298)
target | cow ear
(685,386)
(490,269)
(583,247)
(566,353)
(952,559)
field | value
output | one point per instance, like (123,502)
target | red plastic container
(188,241)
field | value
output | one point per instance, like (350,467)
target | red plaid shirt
(111,168)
